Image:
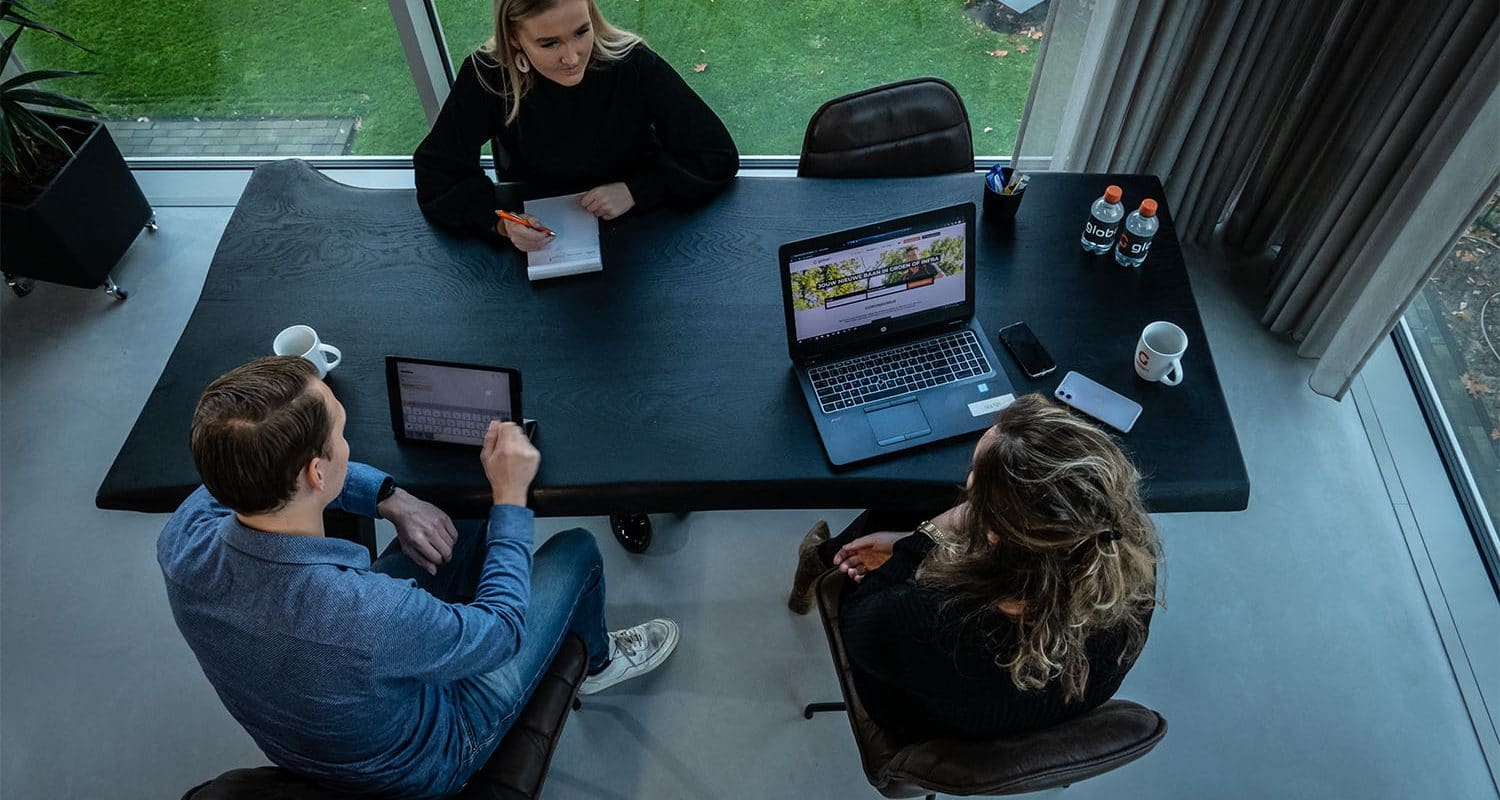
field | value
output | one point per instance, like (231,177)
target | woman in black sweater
(576,105)
(1021,607)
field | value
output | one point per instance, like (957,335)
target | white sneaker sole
(641,669)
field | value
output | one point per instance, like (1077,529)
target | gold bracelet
(931,531)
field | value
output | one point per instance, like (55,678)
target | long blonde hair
(1075,545)
(497,53)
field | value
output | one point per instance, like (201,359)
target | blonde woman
(576,105)
(1022,607)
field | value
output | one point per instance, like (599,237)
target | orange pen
(536,226)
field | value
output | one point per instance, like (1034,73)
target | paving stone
(234,137)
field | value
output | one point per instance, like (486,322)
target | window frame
(1475,510)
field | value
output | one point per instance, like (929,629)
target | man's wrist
(509,499)
(390,505)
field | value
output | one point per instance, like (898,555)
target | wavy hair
(497,53)
(1074,545)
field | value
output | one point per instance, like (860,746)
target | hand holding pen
(526,232)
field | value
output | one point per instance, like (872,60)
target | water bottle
(1104,222)
(1135,240)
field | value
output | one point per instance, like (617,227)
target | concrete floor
(1296,656)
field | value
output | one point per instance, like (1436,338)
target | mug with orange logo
(1158,355)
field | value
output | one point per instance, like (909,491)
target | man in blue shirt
(398,677)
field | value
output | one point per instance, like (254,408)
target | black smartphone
(1029,353)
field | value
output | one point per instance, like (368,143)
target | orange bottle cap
(1148,208)
(1112,194)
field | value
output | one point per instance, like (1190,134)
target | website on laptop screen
(888,276)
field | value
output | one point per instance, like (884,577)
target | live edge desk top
(663,383)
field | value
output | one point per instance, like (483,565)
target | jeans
(567,596)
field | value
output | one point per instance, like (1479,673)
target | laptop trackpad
(896,424)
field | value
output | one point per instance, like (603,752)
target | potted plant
(69,207)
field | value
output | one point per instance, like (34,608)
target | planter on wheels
(76,229)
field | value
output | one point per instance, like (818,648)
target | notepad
(575,250)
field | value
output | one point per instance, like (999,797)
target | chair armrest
(1107,737)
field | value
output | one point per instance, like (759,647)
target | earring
(521,63)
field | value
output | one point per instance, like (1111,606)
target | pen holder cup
(998,207)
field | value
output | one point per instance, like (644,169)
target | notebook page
(575,249)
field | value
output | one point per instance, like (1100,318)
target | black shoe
(632,531)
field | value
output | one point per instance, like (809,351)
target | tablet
(449,403)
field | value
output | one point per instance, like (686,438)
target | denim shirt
(337,672)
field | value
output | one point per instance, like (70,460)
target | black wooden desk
(663,383)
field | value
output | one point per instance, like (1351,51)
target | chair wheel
(632,531)
(113,289)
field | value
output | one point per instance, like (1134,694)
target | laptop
(880,325)
(445,402)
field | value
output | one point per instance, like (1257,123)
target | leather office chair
(1112,735)
(515,771)
(903,129)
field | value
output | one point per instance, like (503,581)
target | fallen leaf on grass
(999,53)
(699,67)
(1023,49)
(1474,386)
(1467,256)
(1036,34)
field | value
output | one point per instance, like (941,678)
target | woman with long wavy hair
(1023,606)
(574,104)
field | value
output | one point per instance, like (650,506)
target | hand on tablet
(510,462)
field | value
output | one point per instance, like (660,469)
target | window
(765,67)
(243,78)
(1455,325)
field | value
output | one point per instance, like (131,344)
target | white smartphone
(1099,401)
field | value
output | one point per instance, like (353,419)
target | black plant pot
(76,229)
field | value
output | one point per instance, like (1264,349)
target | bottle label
(1100,233)
(1135,246)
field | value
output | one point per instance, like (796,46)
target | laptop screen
(885,277)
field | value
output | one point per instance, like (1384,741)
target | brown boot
(809,567)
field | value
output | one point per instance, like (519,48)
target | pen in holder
(1003,188)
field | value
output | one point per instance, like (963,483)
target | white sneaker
(634,652)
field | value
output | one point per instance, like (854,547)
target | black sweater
(634,121)
(921,677)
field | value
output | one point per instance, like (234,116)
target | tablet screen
(451,403)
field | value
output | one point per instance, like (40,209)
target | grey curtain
(1357,138)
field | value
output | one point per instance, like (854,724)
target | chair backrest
(909,128)
(515,771)
(1093,743)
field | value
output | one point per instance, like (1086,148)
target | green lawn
(769,63)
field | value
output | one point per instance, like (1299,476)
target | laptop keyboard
(921,365)
(430,421)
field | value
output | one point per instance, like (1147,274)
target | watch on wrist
(931,531)
(387,488)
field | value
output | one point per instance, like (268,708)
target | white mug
(300,340)
(1158,355)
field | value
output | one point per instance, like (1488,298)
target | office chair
(516,770)
(1110,736)
(903,129)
